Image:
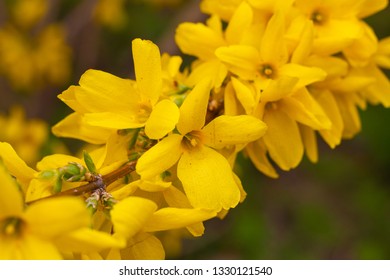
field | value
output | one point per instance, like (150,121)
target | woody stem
(97,182)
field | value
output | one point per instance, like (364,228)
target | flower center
(267,71)
(192,140)
(144,111)
(12,227)
(318,17)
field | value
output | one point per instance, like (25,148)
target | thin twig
(98,183)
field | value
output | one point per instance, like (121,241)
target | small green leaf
(48,174)
(57,185)
(89,162)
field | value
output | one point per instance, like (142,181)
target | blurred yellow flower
(27,136)
(30,62)
(30,233)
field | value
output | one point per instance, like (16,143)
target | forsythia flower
(205,174)
(30,233)
(30,54)
(268,76)
(109,102)
(26,136)
(283,68)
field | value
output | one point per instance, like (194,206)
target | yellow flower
(26,13)
(108,102)
(337,23)
(206,175)
(272,87)
(110,13)
(31,62)
(27,136)
(135,218)
(30,233)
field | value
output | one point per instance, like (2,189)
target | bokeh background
(338,208)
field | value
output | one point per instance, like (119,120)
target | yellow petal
(162,120)
(207,180)
(69,98)
(11,201)
(87,240)
(214,69)
(306,75)
(241,20)
(175,198)
(74,126)
(335,35)
(242,60)
(369,7)
(333,135)
(302,107)
(310,142)
(283,139)
(198,40)
(172,218)
(29,247)
(160,157)
(147,64)
(304,47)
(57,160)
(273,48)
(55,216)
(245,95)
(350,116)
(130,215)
(277,89)
(101,92)
(258,154)
(232,130)
(157,185)
(114,120)
(194,108)
(143,246)
(15,165)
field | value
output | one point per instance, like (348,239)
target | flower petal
(306,75)
(87,240)
(147,64)
(160,157)
(207,180)
(15,165)
(74,126)
(162,120)
(283,139)
(101,92)
(241,60)
(113,120)
(28,248)
(302,107)
(232,130)
(11,201)
(174,218)
(194,108)
(273,48)
(55,216)
(241,20)
(198,40)
(130,215)
(143,246)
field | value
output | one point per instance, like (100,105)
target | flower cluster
(268,77)
(302,67)
(28,47)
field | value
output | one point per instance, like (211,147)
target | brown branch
(98,182)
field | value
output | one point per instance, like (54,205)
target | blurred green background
(338,208)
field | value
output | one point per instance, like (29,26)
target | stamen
(267,71)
